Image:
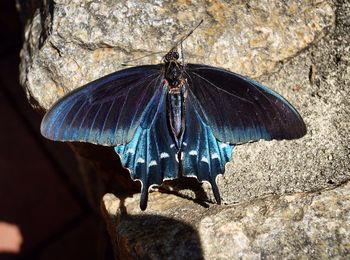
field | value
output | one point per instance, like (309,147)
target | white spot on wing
(131,151)
(223,145)
(214,156)
(172,145)
(204,159)
(184,144)
(140,160)
(164,155)
(152,163)
(193,152)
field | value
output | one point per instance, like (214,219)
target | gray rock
(301,225)
(321,158)
(76,42)
(301,49)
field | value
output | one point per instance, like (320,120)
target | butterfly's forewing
(106,111)
(240,110)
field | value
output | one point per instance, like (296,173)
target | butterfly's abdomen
(176,101)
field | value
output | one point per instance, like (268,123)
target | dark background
(40,188)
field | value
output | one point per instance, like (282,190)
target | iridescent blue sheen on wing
(168,120)
(240,110)
(202,155)
(106,111)
(151,155)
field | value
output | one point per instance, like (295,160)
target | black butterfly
(170,120)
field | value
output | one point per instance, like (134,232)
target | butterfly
(172,119)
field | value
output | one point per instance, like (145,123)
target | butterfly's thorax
(176,97)
(173,73)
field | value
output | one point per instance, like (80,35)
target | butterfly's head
(171,56)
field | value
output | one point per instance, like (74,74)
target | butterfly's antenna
(180,41)
(127,62)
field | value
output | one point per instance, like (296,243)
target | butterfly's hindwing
(151,155)
(202,155)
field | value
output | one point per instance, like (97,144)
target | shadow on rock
(156,237)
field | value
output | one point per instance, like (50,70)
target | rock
(153,234)
(298,48)
(301,225)
(302,165)
(70,43)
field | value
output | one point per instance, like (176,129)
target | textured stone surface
(320,159)
(69,43)
(302,225)
(153,234)
(298,48)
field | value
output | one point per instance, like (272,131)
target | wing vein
(231,94)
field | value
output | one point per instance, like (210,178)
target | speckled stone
(301,49)
(69,43)
(317,82)
(301,225)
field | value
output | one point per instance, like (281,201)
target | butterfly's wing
(238,109)
(223,109)
(202,155)
(126,109)
(151,155)
(106,111)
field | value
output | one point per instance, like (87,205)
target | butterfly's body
(176,85)
(172,120)
(176,113)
